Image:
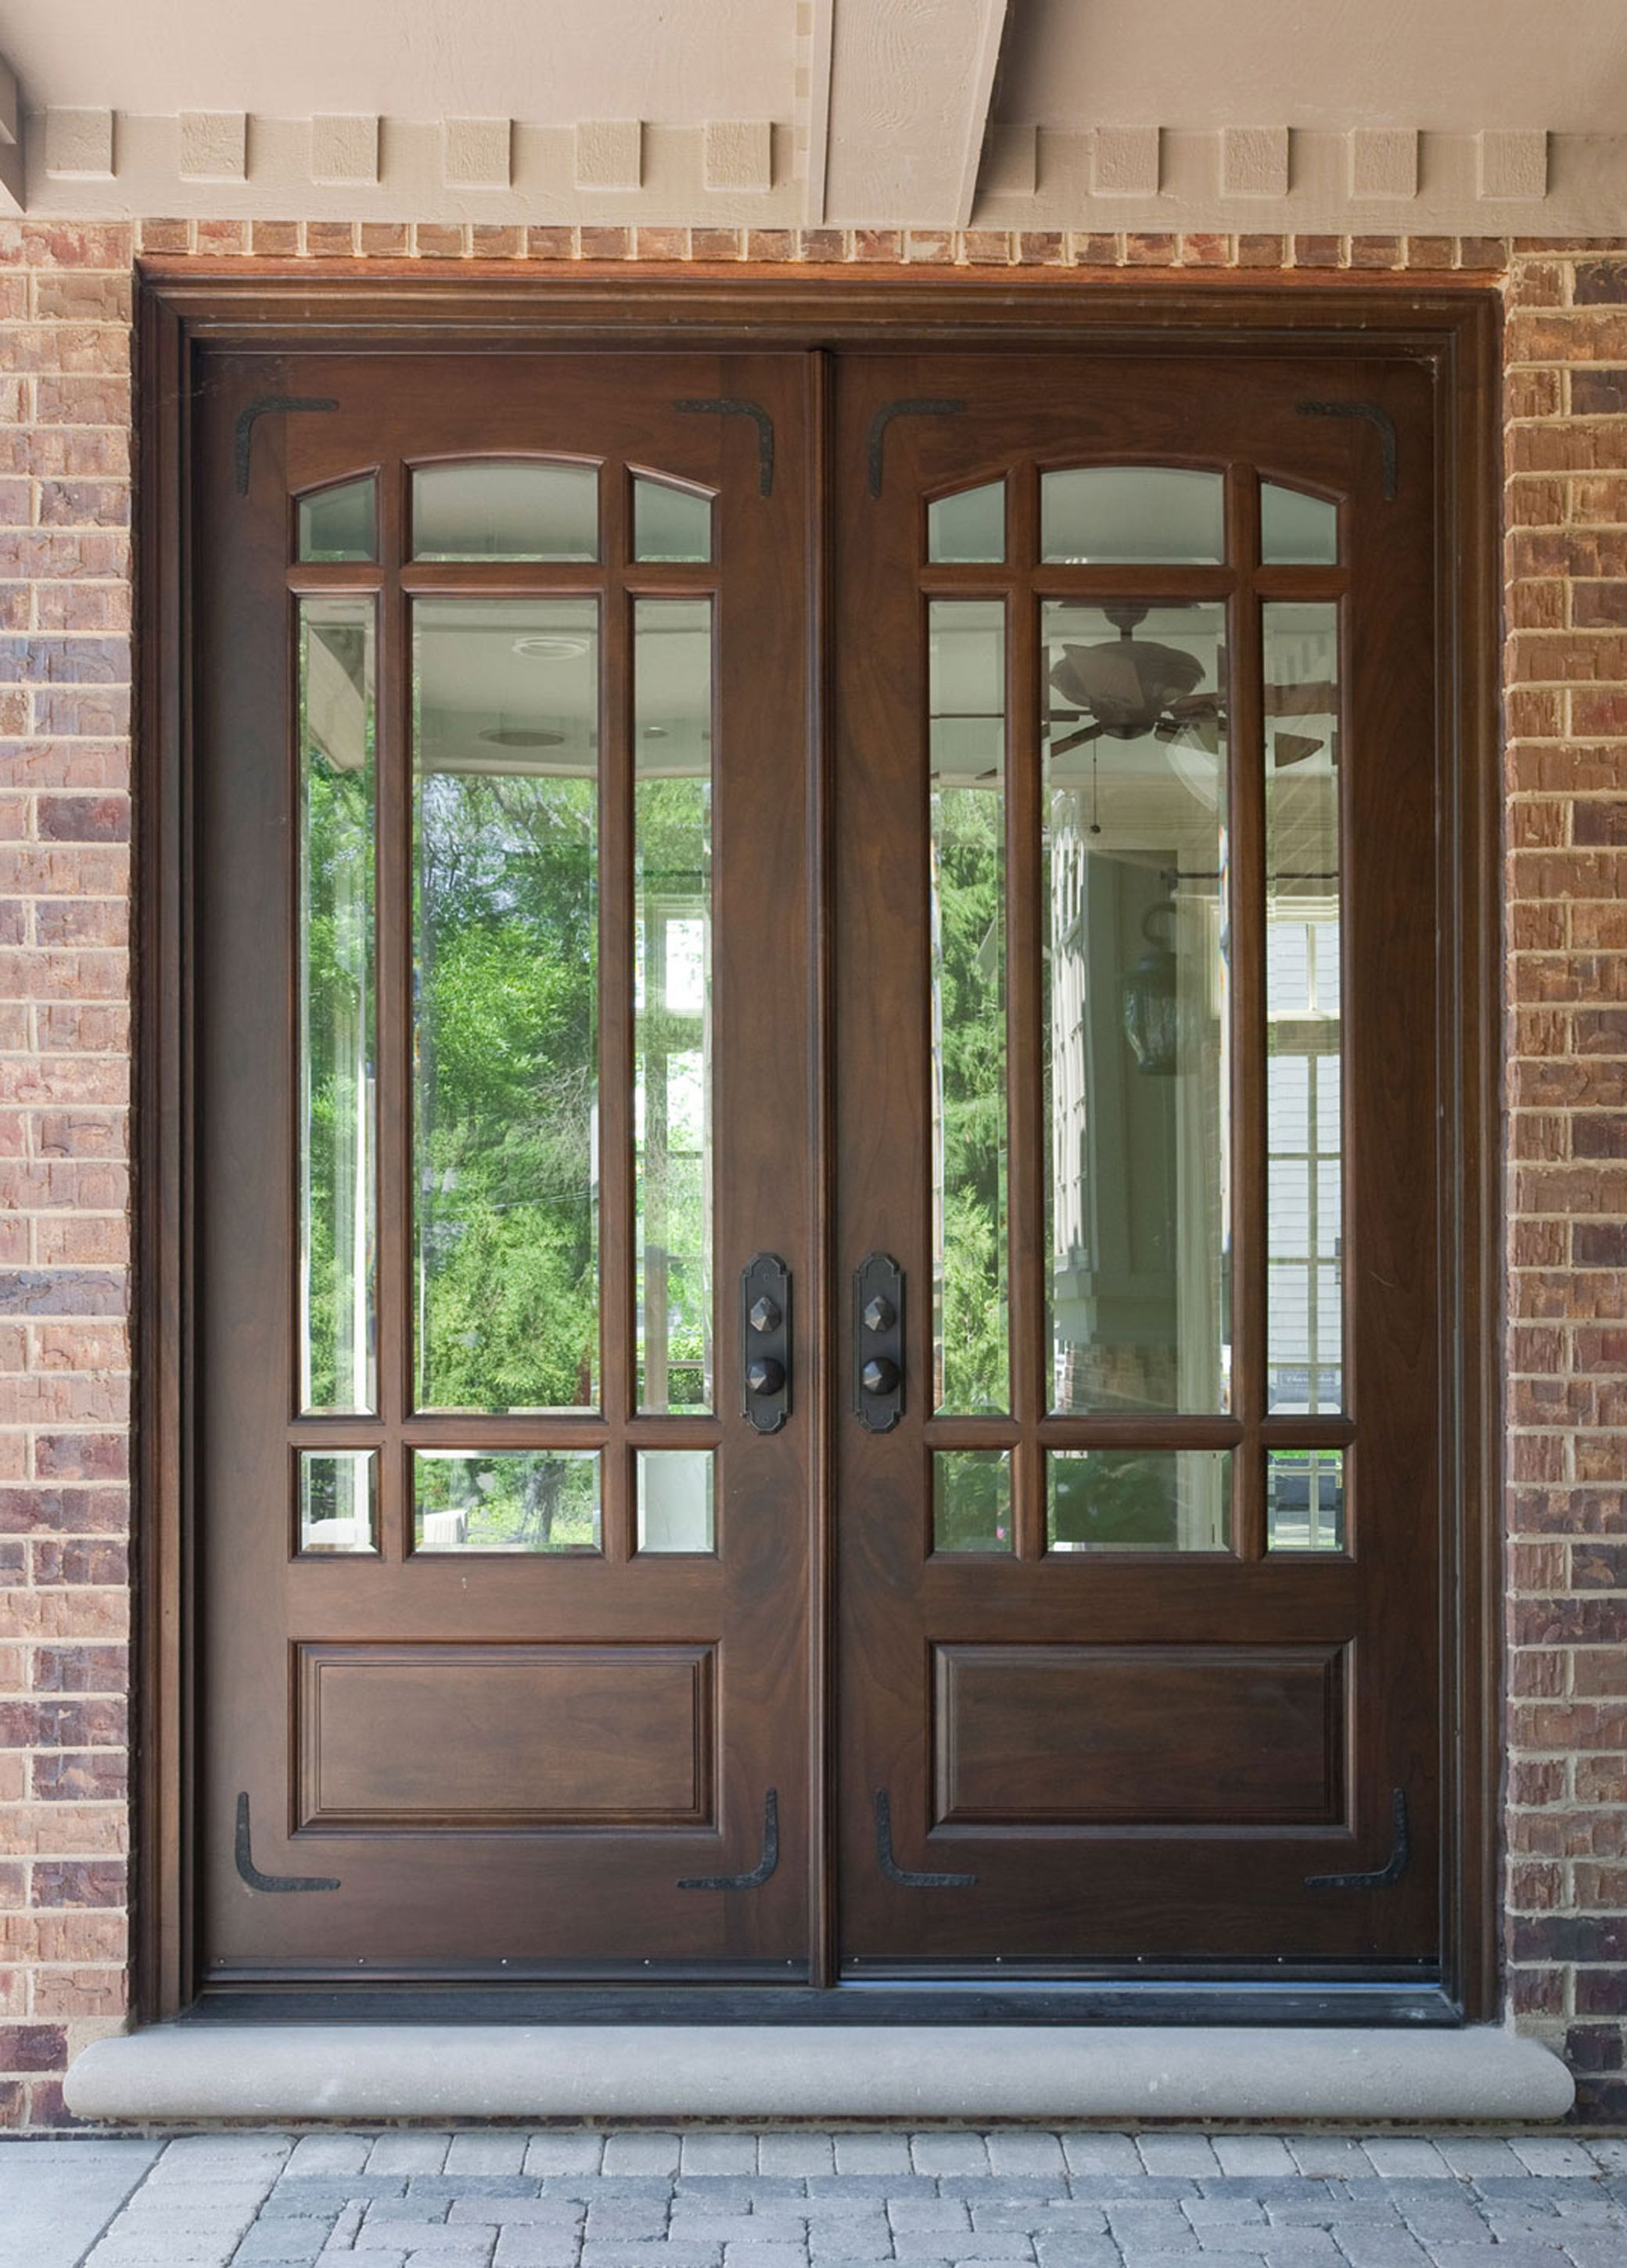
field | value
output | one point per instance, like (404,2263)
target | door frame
(1453,327)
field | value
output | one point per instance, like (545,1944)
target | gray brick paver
(949,2153)
(408,2153)
(872,2154)
(1018,2153)
(798,2153)
(642,2152)
(486,2154)
(521,2246)
(1253,2154)
(763,2255)
(565,2153)
(1178,2153)
(1401,2157)
(718,2154)
(329,2153)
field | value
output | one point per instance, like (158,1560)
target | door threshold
(1200,2002)
(280,2071)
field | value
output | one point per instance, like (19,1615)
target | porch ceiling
(1467,115)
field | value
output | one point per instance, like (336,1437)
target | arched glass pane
(670,523)
(1297,530)
(499,509)
(340,523)
(1112,514)
(967,528)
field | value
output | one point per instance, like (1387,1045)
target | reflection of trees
(506,1087)
(336,887)
(970,890)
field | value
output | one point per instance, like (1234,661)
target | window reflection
(1305,1333)
(1135,1031)
(970,1139)
(505,975)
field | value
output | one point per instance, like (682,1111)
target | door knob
(878,1342)
(765,1376)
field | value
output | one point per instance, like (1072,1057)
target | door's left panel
(499,814)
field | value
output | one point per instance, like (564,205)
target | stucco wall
(64,1020)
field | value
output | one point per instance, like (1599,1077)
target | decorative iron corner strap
(1394,1867)
(243,438)
(250,1873)
(904,1876)
(876,446)
(1382,423)
(730,405)
(764,1866)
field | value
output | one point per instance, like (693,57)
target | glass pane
(1305,1188)
(670,523)
(1110,514)
(505,510)
(340,523)
(967,677)
(505,977)
(970,526)
(338,1509)
(1138,1499)
(337,1191)
(1305,1500)
(972,1500)
(671,1001)
(505,1500)
(1136,1030)
(1297,530)
(675,1500)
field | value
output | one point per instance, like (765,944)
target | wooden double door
(815,1113)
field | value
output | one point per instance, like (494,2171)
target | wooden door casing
(188,437)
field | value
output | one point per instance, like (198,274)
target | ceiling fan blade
(1293,749)
(1074,740)
(1314,700)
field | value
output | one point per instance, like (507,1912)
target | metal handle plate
(765,1342)
(878,1342)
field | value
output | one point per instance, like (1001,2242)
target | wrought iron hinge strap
(906,1879)
(250,1873)
(732,406)
(764,1866)
(243,439)
(883,419)
(1394,1867)
(1383,424)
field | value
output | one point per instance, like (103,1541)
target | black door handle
(878,1342)
(765,1342)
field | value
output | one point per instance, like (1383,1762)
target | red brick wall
(64,614)
(64,1173)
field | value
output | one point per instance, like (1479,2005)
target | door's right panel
(1136,987)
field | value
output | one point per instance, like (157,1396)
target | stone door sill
(970,2074)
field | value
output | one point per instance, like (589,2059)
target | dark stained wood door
(500,797)
(1135,939)
(506,958)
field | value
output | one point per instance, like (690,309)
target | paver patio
(795,2198)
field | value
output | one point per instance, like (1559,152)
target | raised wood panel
(1153,1736)
(507,1736)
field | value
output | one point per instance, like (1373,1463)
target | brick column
(64,1180)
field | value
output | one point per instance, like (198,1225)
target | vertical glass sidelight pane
(506,1091)
(972,1500)
(1135,1025)
(672,1000)
(494,508)
(675,1500)
(969,528)
(971,1355)
(1106,514)
(338,1506)
(505,1500)
(336,947)
(1297,530)
(1305,1500)
(1138,1500)
(1305,1186)
(670,523)
(340,523)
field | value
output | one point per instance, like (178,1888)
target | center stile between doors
(818,1278)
